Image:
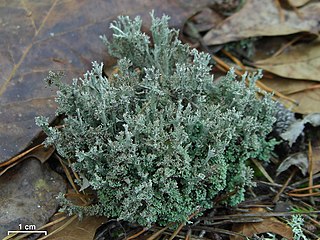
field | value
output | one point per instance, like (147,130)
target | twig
(276,198)
(11,166)
(238,220)
(310,233)
(260,215)
(313,87)
(222,69)
(158,233)
(53,222)
(224,64)
(181,225)
(219,230)
(293,193)
(256,205)
(137,234)
(234,59)
(23,236)
(271,184)
(261,168)
(66,170)
(314,221)
(310,157)
(287,45)
(281,15)
(74,172)
(188,235)
(19,156)
(304,194)
(296,184)
(177,231)
(296,10)
(60,228)
(276,93)
(306,188)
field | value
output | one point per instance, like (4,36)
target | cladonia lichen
(161,139)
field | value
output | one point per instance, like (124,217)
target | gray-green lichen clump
(161,139)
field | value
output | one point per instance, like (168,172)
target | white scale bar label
(43,232)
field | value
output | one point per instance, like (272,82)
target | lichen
(162,139)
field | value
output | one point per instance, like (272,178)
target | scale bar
(43,232)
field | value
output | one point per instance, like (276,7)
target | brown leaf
(298,3)
(300,90)
(77,229)
(299,159)
(298,62)
(261,18)
(42,153)
(206,19)
(38,36)
(270,225)
(288,86)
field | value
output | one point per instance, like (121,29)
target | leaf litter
(261,18)
(56,35)
(221,222)
(297,62)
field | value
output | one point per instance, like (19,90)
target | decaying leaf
(306,93)
(77,229)
(38,36)
(293,132)
(313,119)
(85,183)
(299,160)
(296,128)
(308,101)
(289,86)
(42,153)
(206,19)
(298,3)
(268,225)
(297,62)
(261,18)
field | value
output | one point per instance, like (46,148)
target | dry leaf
(261,18)
(42,153)
(270,225)
(296,128)
(38,36)
(297,62)
(299,160)
(266,47)
(298,3)
(206,19)
(293,132)
(308,101)
(78,229)
(289,86)
(299,90)
(313,119)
